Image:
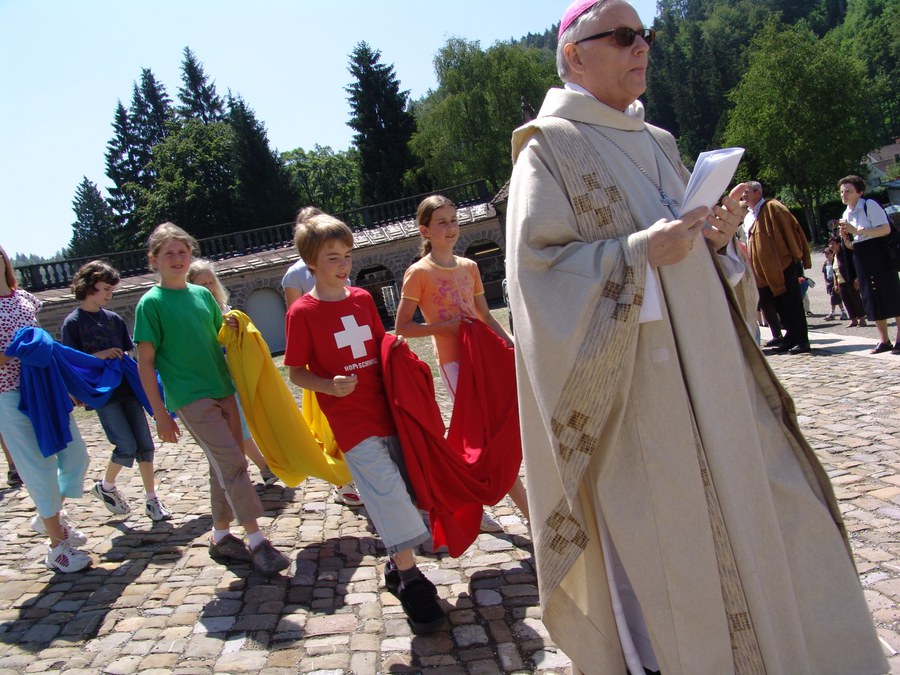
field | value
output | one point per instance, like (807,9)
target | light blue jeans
(375,464)
(47,479)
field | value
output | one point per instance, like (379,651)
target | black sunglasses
(624,36)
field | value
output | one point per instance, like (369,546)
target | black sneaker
(267,560)
(419,600)
(230,548)
(392,577)
(13,479)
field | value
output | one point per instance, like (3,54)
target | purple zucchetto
(575,10)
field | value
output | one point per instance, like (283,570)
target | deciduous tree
(465,125)
(323,178)
(786,114)
(194,180)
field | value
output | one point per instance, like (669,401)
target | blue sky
(64,64)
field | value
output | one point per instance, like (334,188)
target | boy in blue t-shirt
(97,331)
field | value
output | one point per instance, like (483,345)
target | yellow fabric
(318,423)
(284,437)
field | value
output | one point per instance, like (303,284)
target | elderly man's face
(615,75)
(752,196)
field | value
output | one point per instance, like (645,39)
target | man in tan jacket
(779,253)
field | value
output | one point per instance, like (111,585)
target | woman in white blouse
(864,227)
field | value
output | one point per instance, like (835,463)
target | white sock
(150,495)
(219,535)
(256,539)
(108,486)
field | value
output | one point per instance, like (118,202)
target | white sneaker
(156,510)
(488,524)
(63,558)
(347,494)
(112,499)
(73,536)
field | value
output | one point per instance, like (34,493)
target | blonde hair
(163,233)
(426,209)
(219,292)
(314,229)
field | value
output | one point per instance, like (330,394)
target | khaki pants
(215,425)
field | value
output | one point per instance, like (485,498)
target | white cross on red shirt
(353,336)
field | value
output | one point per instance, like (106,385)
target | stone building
(380,258)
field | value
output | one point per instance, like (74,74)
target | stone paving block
(330,624)
(285,658)
(203,645)
(154,597)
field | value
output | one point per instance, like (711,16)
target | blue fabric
(51,371)
(43,397)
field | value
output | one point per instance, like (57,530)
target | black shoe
(419,600)
(268,560)
(230,548)
(881,347)
(13,479)
(774,342)
(392,577)
(799,349)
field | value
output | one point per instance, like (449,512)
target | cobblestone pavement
(155,602)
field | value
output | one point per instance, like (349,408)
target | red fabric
(479,461)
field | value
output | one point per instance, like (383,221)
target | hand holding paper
(712,174)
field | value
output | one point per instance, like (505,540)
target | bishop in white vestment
(681,521)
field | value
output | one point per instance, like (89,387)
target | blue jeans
(126,428)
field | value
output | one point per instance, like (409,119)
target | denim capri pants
(47,479)
(126,428)
(373,463)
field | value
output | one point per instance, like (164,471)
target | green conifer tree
(198,96)
(93,232)
(383,125)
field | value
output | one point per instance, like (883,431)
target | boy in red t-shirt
(334,338)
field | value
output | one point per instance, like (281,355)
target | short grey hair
(755,185)
(573,33)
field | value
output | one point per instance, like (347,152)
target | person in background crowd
(829,271)
(863,228)
(845,276)
(779,254)
(202,273)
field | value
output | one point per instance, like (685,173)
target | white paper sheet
(710,178)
